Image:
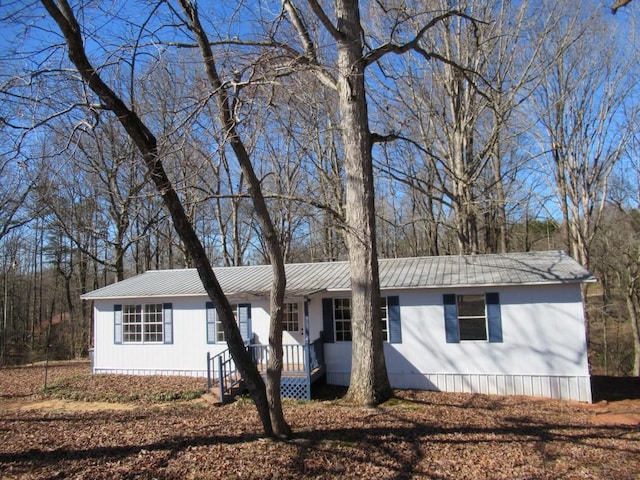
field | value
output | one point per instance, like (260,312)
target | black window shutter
(117,324)
(451,318)
(211,322)
(494,318)
(393,312)
(167,318)
(327,320)
(244,321)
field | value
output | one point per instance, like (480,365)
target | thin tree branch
(414,44)
(324,19)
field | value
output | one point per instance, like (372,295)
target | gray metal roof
(305,278)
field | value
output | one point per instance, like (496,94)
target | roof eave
(308,293)
(489,284)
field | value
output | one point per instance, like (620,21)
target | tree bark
(145,141)
(227,121)
(369,384)
(632,308)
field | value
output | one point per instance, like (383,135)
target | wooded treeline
(509,126)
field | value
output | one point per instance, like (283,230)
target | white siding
(186,356)
(188,353)
(543,352)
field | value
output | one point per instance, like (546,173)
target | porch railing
(296,359)
(299,363)
(222,368)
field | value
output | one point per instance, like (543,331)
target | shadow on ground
(615,388)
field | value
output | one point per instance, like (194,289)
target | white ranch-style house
(507,324)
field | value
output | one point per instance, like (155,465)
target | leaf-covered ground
(165,433)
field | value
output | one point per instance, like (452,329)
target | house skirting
(151,371)
(562,387)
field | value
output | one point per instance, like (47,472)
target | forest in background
(513,127)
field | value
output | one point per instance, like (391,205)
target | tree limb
(377,53)
(324,19)
(619,4)
(146,143)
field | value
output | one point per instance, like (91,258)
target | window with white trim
(291,320)
(472,317)
(142,323)
(342,319)
(220,338)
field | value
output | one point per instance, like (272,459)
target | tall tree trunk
(502,244)
(228,123)
(633,307)
(369,384)
(145,141)
(634,317)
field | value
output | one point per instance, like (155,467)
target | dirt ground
(109,426)
(616,399)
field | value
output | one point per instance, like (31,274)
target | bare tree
(340,58)
(146,142)
(578,105)
(459,117)
(227,116)
(102,169)
(311,131)
(369,384)
(15,186)
(620,277)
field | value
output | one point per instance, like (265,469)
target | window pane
(132,332)
(471,305)
(473,329)
(342,317)
(131,323)
(472,320)
(142,323)
(153,323)
(291,317)
(219,334)
(343,331)
(220,338)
